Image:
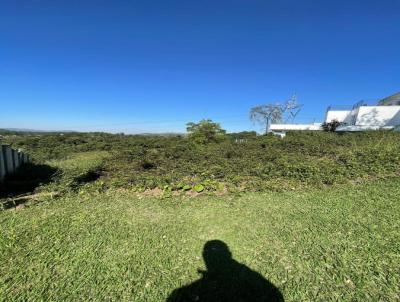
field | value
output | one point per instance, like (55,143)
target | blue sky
(152,66)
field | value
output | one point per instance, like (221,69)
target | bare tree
(266,114)
(291,109)
(274,113)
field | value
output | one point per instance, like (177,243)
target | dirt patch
(153,192)
(192,193)
(22,201)
(222,192)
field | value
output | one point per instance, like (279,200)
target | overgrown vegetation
(239,162)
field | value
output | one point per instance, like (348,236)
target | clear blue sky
(136,66)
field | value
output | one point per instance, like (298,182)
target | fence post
(8,159)
(21,157)
(2,165)
(16,160)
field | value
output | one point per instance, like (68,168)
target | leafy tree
(205,131)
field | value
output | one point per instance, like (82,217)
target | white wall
(288,127)
(342,116)
(378,116)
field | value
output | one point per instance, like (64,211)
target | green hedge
(300,160)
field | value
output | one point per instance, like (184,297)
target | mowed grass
(338,244)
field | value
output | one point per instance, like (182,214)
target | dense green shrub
(205,132)
(248,162)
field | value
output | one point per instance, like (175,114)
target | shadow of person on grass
(226,280)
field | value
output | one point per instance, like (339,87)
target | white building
(297,127)
(385,115)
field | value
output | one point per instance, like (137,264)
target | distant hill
(26,130)
(34,130)
(160,134)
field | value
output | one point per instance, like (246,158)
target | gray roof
(393,100)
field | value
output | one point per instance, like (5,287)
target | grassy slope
(338,244)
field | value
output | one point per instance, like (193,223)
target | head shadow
(226,280)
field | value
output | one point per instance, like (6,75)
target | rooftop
(392,100)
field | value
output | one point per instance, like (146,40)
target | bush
(206,131)
(258,163)
(331,126)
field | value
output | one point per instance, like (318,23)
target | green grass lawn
(338,244)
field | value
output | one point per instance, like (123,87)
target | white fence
(11,160)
